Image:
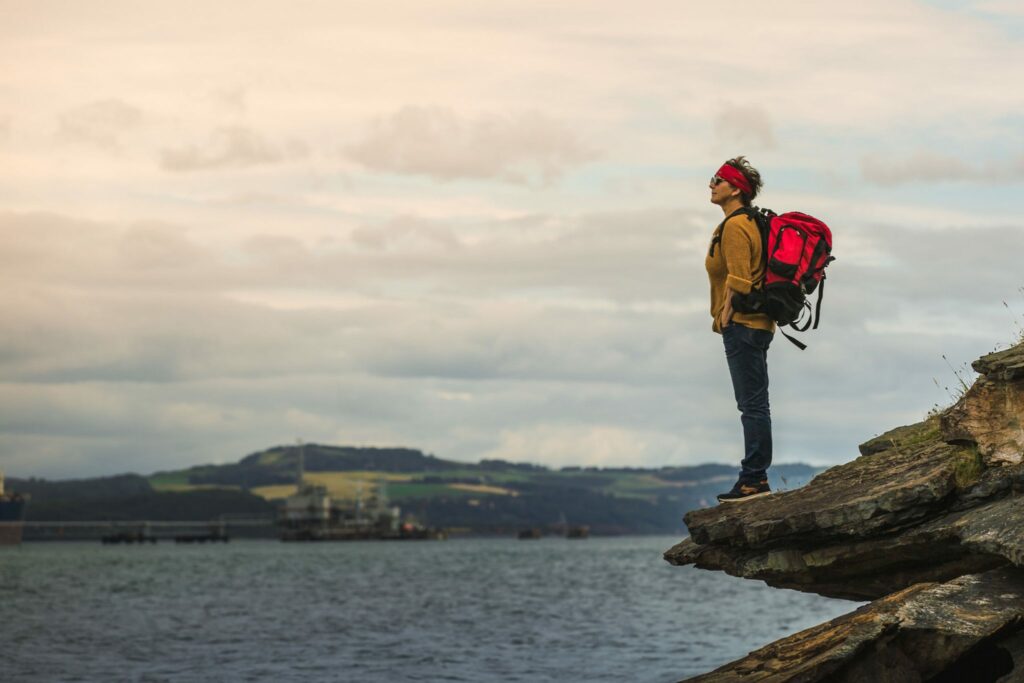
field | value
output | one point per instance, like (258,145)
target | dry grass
(483,488)
(341,485)
(968,467)
(274,492)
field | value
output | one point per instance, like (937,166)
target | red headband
(732,176)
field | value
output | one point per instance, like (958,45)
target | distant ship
(12,515)
(310,514)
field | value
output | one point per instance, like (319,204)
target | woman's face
(721,190)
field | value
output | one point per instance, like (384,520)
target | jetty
(129,532)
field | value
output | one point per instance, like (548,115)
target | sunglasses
(715,180)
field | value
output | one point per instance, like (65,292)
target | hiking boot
(742,492)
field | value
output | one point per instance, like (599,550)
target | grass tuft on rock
(968,467)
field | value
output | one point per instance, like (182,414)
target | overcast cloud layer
(479,229)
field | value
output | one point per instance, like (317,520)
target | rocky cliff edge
(928,523)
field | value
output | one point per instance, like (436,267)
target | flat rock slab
(870,495)
(1005,365)
(967,629)
(962,542)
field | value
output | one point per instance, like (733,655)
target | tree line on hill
(128,497)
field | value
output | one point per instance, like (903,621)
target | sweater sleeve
(737,249)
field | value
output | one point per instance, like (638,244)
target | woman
(735,266)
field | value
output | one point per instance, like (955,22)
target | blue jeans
(746,350)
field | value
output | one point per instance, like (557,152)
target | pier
(150,531)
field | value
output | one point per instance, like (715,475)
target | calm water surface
(461,610)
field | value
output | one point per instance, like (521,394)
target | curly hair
(751,174)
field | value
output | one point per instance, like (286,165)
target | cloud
(1005,8)
(100,123)
(234,99)
(406,232)
(584,445)
(745,126)
(439,143)
(231,147)
(924,166)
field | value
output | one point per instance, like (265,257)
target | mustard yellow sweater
(734,264)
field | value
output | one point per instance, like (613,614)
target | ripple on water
(462,610)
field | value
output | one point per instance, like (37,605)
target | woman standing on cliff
(735,264)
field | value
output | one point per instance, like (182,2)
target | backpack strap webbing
(796,342)
(817,318)
(817,307)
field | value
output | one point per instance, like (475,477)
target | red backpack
(796,249)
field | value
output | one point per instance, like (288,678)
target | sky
(478,228)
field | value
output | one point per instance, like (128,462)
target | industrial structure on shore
(311,514)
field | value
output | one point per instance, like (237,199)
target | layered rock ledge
(963,630)
(926,510)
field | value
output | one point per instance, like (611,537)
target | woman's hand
(726,317)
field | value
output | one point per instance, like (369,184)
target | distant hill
(278,465)
(492,496)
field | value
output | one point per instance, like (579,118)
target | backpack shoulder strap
(717,238)
(747,211)
(762,218)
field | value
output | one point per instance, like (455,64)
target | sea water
(601,609)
